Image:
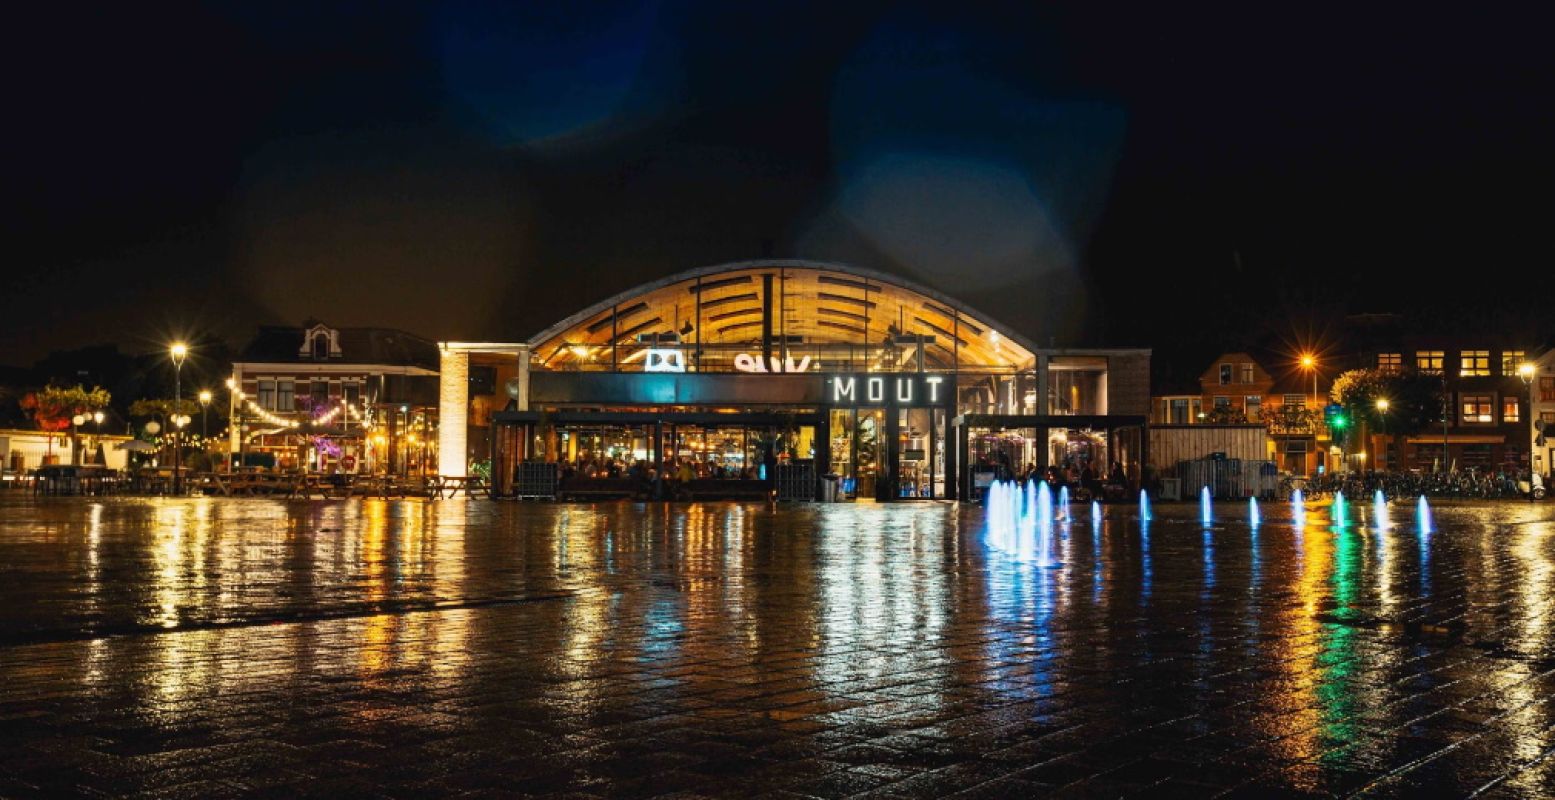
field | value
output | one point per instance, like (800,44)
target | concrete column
(453,402)
(1043,408)
(522,397)
(234,406)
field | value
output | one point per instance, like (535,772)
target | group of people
(1081,475)
(679,470)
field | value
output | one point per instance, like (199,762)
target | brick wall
(1128,384)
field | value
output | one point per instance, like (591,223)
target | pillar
(234,408)
(522,396)
(453,402)
(1043,407)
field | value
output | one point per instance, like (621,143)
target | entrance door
(920,453)
(858,450)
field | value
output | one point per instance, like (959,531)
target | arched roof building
(835,313)
(785,370)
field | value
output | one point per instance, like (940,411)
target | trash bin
(830,482)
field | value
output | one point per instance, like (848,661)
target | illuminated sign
(661,360)
(745,362)
(905,390)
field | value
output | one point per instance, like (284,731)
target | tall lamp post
(179,351)
(76,423)
(97,432)
(1526,371)
(1309,363)
(1382,417)
(1447,412)
(205,406)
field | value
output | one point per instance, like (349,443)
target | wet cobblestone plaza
(209,648)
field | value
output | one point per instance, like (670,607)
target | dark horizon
(1185,183)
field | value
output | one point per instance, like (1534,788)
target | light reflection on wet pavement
(207,648)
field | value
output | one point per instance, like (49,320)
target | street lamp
(1382,411)
(1309,363)
(205,406)
(75,440)
(1526,371)
(179,351)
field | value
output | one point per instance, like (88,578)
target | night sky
(1186,179)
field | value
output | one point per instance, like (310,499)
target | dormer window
(320,343)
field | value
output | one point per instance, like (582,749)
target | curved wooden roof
(824,303)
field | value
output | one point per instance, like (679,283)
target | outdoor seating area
(93,480)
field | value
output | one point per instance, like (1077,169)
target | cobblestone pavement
(212,648)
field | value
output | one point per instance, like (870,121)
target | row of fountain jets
(1021,517)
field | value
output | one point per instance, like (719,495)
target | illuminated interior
(840,318)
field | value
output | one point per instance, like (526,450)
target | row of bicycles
(1470,483)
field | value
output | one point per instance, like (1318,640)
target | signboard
(906,390)
(745,362)
(664,360)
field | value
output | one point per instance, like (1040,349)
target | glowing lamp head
(1382,404)
(97,417)
(205,397)
(179,352)
(1308,361)
(1525,371)
(78,420)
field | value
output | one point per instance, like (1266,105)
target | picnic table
(70,479)
(453,484)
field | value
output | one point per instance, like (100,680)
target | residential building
(323,398)
(1542,428)
(1487,424)
(1237,389)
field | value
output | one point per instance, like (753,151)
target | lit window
(1509,410)
(1180,411)
(1511,360)
(1477,408)
(1247,373)
(1547,390)
(1225,374)
(267,395)
(1429,362)
(1390,363)
(1474,363)
(285,395)
(1254,405)
(1295,400)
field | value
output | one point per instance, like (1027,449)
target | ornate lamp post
(205,406)
(1526,371)
(76,422)
(1382,412)
(1309,363)
(153,428)
(179,351)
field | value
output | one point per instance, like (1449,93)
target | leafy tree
(161,410)
(53,408)
(1291,418)
(1414,402)
(1226,415)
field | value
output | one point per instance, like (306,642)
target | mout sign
(913,389)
